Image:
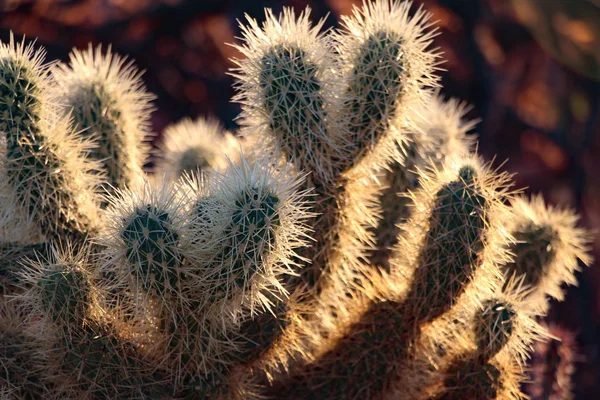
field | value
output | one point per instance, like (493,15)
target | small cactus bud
(494,326)
(200,145)
(59,287)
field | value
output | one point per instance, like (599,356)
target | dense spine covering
(459,208)
(434,131)
(252,279)
(483,361)
(43,160)
(286,88)
(60,287)
(307,113)
(256,217)
(21,368)
(106,98)
(386,65)
(548,248)
(147,239)
(454,235)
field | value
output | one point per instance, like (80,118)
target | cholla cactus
(105,96)
(59,288)
(20,367)
(548,249)
(454,236)
(147,239)
(331,117)
(200,145)
(458,217)
(434,131)
(252,279)
(43,160)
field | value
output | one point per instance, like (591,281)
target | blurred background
(530,68)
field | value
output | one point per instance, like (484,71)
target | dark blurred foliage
(531,69)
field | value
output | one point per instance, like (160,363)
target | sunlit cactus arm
(481,343)
(345,137)
(147,240)
(200,145)
(386,65)
(259,219)
(435,131)
(454,235)
(43,159)
(287,89)
(452,249)
(548,250)
(104,94)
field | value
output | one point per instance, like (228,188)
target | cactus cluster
(356,249)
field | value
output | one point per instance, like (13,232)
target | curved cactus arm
(386,65)
(147,243)
(435,130)
(484,331)
(457,222)
(106,98)
(44,161)
(454,236)
(287,90)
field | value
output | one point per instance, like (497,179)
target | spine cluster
(356,248)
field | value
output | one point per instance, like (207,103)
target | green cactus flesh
(292,97)
(376,86)
(452,248)
(32,166)
(152,246)
(65,295)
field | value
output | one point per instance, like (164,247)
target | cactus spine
(42,157)
(253,279)
(105,96)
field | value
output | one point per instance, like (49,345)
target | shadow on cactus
(355,249)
